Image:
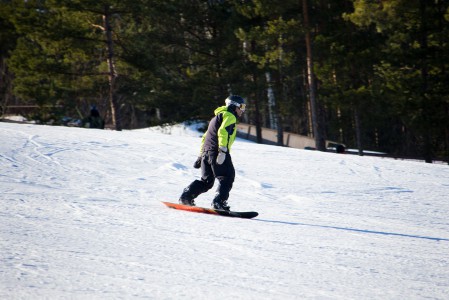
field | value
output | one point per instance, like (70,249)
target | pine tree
(413,68)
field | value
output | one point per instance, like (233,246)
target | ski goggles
(242,106)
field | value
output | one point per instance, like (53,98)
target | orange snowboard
(218,212)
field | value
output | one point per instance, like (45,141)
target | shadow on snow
(357,230)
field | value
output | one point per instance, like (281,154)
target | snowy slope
(81,218)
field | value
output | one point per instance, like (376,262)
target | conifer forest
(370,74)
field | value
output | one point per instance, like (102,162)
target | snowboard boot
(186,198)
(219,203)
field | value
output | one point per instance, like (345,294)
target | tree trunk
(273,114)
(316,123)
(115,114)
(271,102)
(428,149)
(257,110)
(258,97)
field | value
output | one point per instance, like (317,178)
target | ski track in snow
(81,217)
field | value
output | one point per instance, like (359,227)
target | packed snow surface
(81,218)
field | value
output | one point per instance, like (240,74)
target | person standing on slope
(215,159)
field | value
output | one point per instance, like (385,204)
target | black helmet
(236,101)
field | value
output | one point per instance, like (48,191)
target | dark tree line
(367,73)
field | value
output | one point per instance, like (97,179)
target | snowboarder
(215,159)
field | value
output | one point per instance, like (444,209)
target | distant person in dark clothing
(340,148)
(94,120)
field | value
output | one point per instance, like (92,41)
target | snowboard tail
(211,211)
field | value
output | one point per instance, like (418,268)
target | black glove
(197,163)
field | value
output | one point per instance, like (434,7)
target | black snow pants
(224,173)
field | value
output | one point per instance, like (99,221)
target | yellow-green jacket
(221,131)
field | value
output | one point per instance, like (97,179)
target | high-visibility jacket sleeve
(227,131)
